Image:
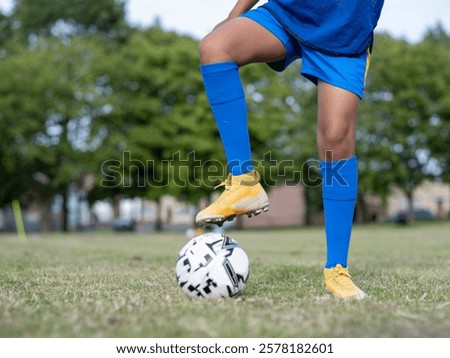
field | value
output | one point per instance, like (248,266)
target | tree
(47,103)
(404,121)
(6,29)
(49,96)
(158,113)
(293,111)
(49,17)
(438,36)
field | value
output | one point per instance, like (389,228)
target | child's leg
(235,43)
(221,54)
(336,144)
(227,99)
(337,114)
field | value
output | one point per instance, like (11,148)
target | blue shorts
(348,73)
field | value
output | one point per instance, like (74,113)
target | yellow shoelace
(226,183)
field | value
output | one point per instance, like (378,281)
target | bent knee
(206,49)
(213,49)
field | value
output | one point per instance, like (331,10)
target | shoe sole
(220,221)
(359,296)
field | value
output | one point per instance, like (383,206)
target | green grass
(123,285)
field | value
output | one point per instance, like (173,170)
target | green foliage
(158,113)
(39,17)
(405,117)
(47,103)
(438,36)
(6,31)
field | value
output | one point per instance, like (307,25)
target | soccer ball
(212,266)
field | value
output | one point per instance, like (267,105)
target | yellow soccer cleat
(339,283)
(243,195)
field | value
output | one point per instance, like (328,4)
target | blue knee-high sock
(339,191)
(227,99)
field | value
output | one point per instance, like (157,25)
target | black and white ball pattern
(212,265)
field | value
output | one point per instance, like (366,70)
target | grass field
(123,285)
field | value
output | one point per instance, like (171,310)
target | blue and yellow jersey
(335,27)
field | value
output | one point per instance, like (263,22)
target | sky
(406,19)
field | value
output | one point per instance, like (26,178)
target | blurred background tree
(53,18)
(405,120)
